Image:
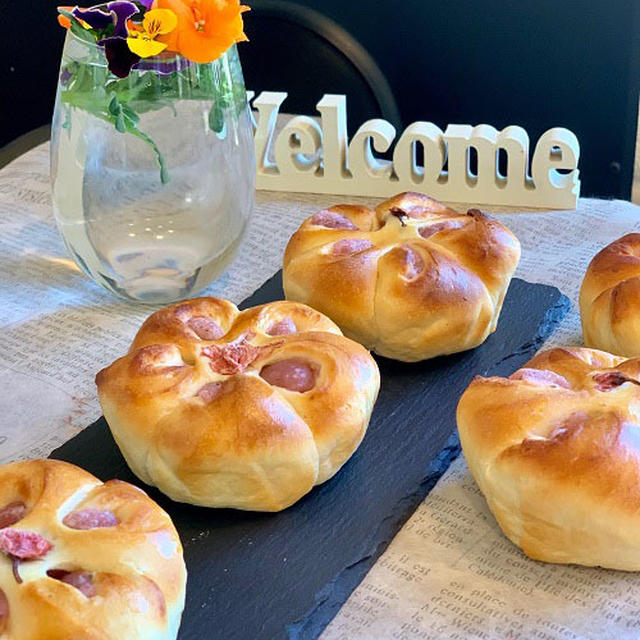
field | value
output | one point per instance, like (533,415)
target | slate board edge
(331,599)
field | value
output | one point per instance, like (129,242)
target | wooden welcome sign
(315,156)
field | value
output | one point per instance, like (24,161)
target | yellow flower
(142,38)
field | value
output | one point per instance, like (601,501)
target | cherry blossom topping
(350,245)
(205,328)
(294,374)
(282,327)
(90,519)
(234,357)
(210,391)
(332,220)
(26,545)
(12,513)
(608,380)
(541,377)
(432,229)
(81,580)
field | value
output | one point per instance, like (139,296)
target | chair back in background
(299,50)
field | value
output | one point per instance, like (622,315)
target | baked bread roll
(610,298)
(555,449)
(410,279)
(83,559)
(249,410)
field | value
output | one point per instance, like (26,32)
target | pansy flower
(206,28)
(120,58)
(199,30)
(121,10)
(95,17)
(116,14)
(142,38)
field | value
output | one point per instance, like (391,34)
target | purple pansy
(120,58)
(117,13)
(96,18)
(121,10)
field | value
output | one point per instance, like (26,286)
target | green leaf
(216,117)
(125,120)
(115,109)
(114,106)
(164,172)
(130,114)
(77,29)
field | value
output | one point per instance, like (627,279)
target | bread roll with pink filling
(249,410)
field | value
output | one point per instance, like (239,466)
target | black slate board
(259,576)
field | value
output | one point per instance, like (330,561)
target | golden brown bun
(610,298)
(133,571)
(404,295)
(555,450)
(254,428)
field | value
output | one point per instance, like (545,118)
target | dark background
(538,64)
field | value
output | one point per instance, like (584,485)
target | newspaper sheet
(449,573)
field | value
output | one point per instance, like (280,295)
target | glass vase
(152,174)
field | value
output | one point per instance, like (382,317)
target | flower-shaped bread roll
(249,410)
(410,280)
(555,449)
(83,559)
(610,298)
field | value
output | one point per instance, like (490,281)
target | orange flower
(206,28)
(63,21)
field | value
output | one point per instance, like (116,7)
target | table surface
(58,329)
